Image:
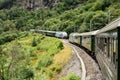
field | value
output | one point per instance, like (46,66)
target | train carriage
(107,43)
(85,40)
(88,40)
(62,35)
(74,38)
(50,33)
(58,34)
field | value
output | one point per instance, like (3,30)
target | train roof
(74,34)
(110,26)
(41,30)
(32,30)
(61,32)
(89,33)
(51,31)
(46,31)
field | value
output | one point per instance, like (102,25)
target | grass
(60,59)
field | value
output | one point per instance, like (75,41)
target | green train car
(58,34)
(86,40)
(104,44)
(108,50)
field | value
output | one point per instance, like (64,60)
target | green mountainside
(66,15)
(35,4)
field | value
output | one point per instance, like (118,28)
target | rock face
(34,4)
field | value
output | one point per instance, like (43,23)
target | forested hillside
(67,15)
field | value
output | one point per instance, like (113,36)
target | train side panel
(86,42)
(74,38)
(107,54)
(71,38)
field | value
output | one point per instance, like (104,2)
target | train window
(97,40)
(105,40)
(84,37)
(99,43)
(112,48)
(102,41)
(105,46)
(114,57)
(114,53)
(108,47)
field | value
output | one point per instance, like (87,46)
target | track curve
(91,70)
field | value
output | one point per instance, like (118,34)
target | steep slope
(90,16)
(68,15)
(6,3)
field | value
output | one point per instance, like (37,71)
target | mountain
(62,15)
(35,4)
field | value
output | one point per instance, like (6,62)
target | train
(104,45)
(57,34)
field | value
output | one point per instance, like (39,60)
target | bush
(44,61)
(32,54)
(51,74)
(57,68)
(7,37)
(59,45)
(25,73)
(71,77)
(34,43)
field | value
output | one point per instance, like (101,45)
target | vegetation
(9,36)
(67,17)
(5,3)
(23,59)
(71,77)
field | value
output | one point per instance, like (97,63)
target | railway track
(92,71)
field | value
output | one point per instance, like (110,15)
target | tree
(9,25)
(2,64)
(34,43)
(25,73)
